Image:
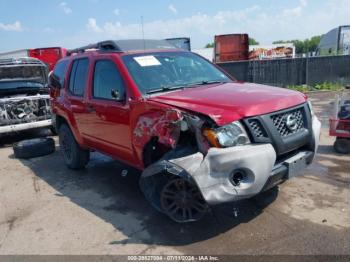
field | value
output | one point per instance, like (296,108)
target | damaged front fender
(164,125)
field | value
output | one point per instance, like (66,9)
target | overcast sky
(71,23)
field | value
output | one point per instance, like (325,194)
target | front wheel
(342,145)
(74,156)
(182,201)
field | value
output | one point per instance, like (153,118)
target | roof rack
(125,46)
(105,46)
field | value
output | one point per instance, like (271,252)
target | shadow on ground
(116,199)
(331,166)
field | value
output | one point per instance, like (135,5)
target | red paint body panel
(232,101)
(122,129)
(339,127)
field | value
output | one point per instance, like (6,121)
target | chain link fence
(296,71)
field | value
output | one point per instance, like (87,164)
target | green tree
(313,43)
(280,42)
(209,45)
(252,41)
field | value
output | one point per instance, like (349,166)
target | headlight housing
(229,135)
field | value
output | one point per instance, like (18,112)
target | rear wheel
(342,145)
(74,156)
(182,201)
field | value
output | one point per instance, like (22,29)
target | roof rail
(125,46)
(108,45)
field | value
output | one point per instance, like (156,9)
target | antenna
(143,34)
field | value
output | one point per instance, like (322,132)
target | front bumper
(25,126)
(257,162)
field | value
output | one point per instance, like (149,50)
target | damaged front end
(22,113)
(24,99)
(207,164)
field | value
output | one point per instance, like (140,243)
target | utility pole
(307,65)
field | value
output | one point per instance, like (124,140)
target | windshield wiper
(164,89)
(202,83)
(167,88)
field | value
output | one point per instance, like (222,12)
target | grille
(15,111)
(280,122)
(257,129)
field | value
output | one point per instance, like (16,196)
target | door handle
(90,108)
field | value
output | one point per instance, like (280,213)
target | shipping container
(232,47)
(49,55)
(181,42)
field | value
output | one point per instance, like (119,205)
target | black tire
(34,147)
(74,156)
(342,145)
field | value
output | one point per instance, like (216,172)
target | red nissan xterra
(198,136)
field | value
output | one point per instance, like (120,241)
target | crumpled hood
(225,103)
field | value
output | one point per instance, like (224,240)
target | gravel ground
(46,208)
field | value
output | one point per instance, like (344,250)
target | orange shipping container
(232,47)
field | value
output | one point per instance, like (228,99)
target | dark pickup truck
(24,95)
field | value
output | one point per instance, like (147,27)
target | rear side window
(106,79)
(59,72)
(78,76)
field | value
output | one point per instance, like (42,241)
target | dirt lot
(46,208)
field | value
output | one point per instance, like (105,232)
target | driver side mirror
(116,95)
